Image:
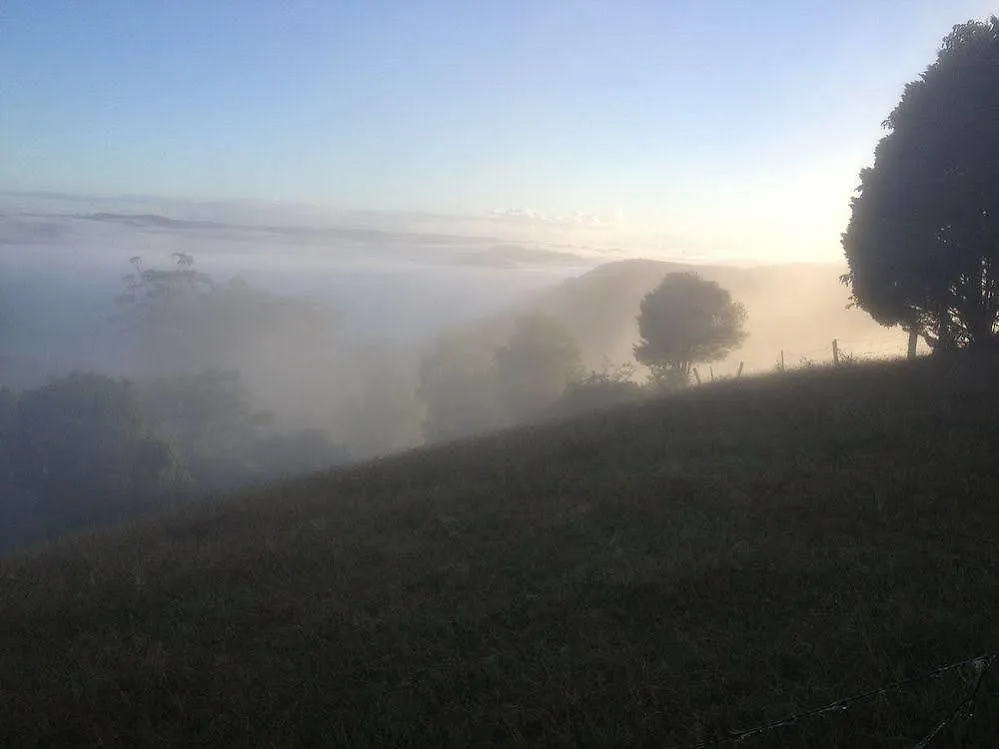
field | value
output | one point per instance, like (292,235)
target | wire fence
(848,350)
(838,351)
(965,709)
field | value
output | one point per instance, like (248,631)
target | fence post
(697,376)
(835,353)
(913,339)
(711,372)
(782,360)
(739,373)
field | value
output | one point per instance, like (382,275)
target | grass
(656,575)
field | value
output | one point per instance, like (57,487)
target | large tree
(179,320)
(923,240)
(686,320)
(162,310)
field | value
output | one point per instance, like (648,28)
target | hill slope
(650,575)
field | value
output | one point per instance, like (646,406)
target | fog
(387,285)
(340,338)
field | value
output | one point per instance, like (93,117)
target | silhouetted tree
(686,320)
(80,450)
(536,365)
(923,240)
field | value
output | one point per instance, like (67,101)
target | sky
(738,123)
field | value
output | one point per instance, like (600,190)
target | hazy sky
(718,122)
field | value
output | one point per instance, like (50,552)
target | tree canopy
(80,450)
(686,320)
(86,449)
(922,243)
(222,440)
(536,365)
(179,320)
(473,381)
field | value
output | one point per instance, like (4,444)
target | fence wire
(966,708)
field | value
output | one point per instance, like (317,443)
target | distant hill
(289,231)
(798,308)
(514,256)
(658,575)
(20,232)
(156,221)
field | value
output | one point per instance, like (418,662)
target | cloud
(536,217)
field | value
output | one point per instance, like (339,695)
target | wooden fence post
(697,376)
(739,373)
(711,372)
(913,340)
(835,353)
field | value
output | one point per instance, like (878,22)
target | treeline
(374,398)
(87,449)
(476,380)
(294,357)
(211,396)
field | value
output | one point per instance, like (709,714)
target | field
(658,575)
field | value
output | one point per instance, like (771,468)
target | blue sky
(738,122)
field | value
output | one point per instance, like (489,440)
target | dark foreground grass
(658,575)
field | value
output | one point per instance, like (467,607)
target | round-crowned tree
(686,320)
(922,243)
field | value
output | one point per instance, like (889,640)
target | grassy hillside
(653,576)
